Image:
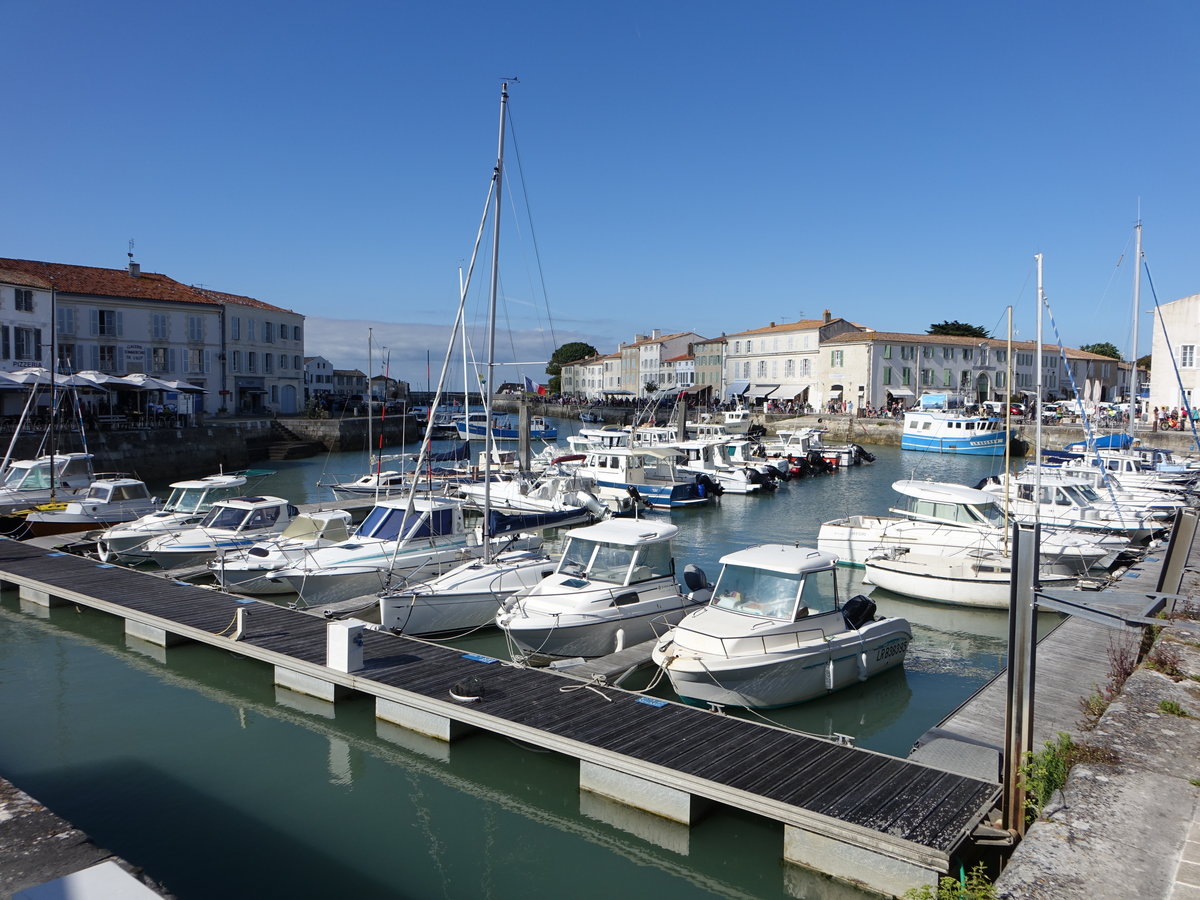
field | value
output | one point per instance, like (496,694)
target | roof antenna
(134,269)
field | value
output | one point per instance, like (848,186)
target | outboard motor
(817,464)
(756,430)
(697,583)
(858,611)
(708,485)
(861,455)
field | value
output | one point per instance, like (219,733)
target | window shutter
(37,345)
(120,358)
(171,360)
(5,346)
(95,355)
(94,320)
(120,326)
(207,362)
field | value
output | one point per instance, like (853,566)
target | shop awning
(698,389)
(899,391)
(737,388)
(762,391)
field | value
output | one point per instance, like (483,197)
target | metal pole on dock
(1018,708)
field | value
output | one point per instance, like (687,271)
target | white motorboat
(252,571)
(229,525)
(970,578)
(702,457)
(614,586)
(775,633)
(109,500)
(188,502)
(60,476)
(397,544)
(647,473)
(942,517)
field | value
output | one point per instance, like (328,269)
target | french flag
(534,388)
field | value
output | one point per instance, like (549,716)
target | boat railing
(774,642)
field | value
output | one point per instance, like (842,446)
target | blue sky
(688,166)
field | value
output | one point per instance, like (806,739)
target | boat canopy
(787,558)
(941,492)
(626,531)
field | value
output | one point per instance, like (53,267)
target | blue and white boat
(648,474)
(503,430)
(936,426)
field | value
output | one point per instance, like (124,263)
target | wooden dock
(855,814)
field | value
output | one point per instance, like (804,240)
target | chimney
(655,334)
(638,338)
(828,317)
(135,269)
(772,324)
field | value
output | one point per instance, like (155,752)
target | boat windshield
(597,560)
(198,500)
(758,592)
(987,512)
(224,517)
(1087,492)
(30,478)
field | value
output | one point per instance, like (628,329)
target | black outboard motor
(858,611)
(861,455)
(817,464)
(756,430)
(694,578)
(708,485)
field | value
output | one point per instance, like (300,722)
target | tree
(956,328)
(567,353)
(1104,348)
(1144,362)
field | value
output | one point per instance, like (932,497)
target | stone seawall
(350,434)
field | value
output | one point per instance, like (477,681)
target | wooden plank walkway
(893,807)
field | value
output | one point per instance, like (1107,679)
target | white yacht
(229,525)
(614,587)
(28,482)
(187,503)
(775,633)
(109,500)
(943,517)
(252,571)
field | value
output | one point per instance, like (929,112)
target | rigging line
(1187,407)
(548,326)
(532,234)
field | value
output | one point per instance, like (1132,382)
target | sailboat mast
(1137,299)
(370,365)
(1037,457)
(489,387)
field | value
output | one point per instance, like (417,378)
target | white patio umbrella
(31,375)
(184,388)
(148,382)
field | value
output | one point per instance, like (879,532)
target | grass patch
(1171,708)
(975,886)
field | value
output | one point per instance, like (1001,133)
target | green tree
(1104,348)
(567,353)
(1144,362)
(956,328)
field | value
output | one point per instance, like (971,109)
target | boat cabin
(244,514)
(71,470)
(780,582)
(117,490)
(394,520)
(949,504)
(618,552)
(191,497)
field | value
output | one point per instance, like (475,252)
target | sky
(686,166)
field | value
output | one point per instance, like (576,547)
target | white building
(263,353)
(1174,371)
(780,361)
(25,302)
(318,378)
(643,361)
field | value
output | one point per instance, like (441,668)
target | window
(887,374)
(160,359)
(250,330)
(789,368)
(283,361)
(297,363)
(268,363)
(197,360)
(927,353)
(27,344)
(108,323)
(235,328)
(296,335)
(927,376)
(268,333)
(66,320)
(906,375)
(24,300)
(159,325)
(806,367)
(947,353)
(947,378)
(746,369)
(108,358)
(235,361)
(251,361)
(195,328)
(835,358)
(1187,356)
(282,332)
(968,353)
(66,357)
(887,351)
(761,369)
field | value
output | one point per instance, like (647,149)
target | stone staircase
(285,444)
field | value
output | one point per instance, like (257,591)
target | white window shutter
(94,321)
(120,327)
(95,355)
(171,360)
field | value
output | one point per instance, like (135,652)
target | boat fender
(620,641)
(829,674)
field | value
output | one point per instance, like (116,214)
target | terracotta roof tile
(107,282)
(802,325)
(239,300)
(13,276)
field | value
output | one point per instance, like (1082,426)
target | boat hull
(777,679)
(958,584)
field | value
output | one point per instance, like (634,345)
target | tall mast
(370,365)
(1137,298)
(489,387)
(1037,458)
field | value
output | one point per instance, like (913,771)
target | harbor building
(25,304)
(780,361)
(263,355)
(1174,375)
(318,378)
(643,361)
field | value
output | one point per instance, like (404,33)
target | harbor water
(191,763)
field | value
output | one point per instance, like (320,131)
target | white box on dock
(344,645)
